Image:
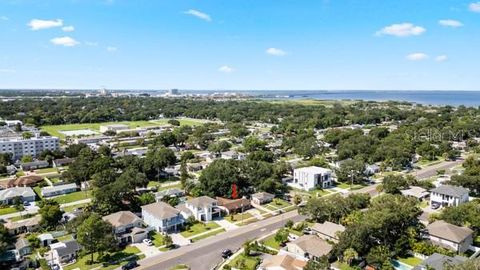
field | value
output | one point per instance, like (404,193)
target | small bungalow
(64,252)
(22,248)
(233,205)
(29,166)
(415,192)
(282,262)
(439,262)
(58,190)
(24,225)
(25,194)
(262,198)
(61,162)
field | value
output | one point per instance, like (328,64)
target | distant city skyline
(240,45)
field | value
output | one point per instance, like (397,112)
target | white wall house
(25,194)
(312,177)
(162,217)
(58,190)
(447,195)
(450,236)
(127,226)
(202,208)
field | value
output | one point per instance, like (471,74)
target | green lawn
(270,242)
(158,185)
(412,261)
(343,266)
(347,186)
(17,218)
(55,130)
(47,170)
(65,238)
(238,217)
(8,210)
(249,262)
(73,197)
(199,228)
(157,239)
(277,204)
(122,254)
(206,235)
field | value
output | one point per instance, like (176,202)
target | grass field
(244,262)
(81,263)
(203,236)
(46,170)
(199,228)
(7,210)
(73,197)
(55,130)
(73,207)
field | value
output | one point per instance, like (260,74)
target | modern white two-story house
(447,195)
(202,208)
(312,177)
(162,217)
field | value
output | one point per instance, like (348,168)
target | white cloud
(401,30)
(441,58)
(112,49)
(276,52)
(69,28)
(475,7)
(37,24)
(3,18)
(417,56)
(450,23)
(199,14)
(64,41)
(226,69)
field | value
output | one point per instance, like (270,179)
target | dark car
(130,265)
(226,253)
(435,206)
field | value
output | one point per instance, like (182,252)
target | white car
(147,242)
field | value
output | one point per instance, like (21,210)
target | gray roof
(13,192)
(68,247)
(36,163)
(417,192)
(58,188)
(263,196)
(449,190)
(439,261)
(313,245)
(203,201)
(169,192)
(21,243)
(161,210)
(121,218)
(449,231)
(329,229)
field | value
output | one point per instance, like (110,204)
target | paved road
(205,254)
(432,170)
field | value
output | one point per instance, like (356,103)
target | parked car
(26,203)
(435,206)
(147,242)
(226,253)
(307,231)
(130,265)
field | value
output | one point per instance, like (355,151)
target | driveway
(148,251)
(226,225)
(178,239)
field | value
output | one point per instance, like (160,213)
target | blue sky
(240,44)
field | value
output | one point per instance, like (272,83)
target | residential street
(432,170)
(206,254)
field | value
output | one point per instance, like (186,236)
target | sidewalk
(228,226)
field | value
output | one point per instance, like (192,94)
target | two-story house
(312,177)
(128,227)
(162,217)
(447,195)
(450,236)
(202,208)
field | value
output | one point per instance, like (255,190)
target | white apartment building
(308,178)
(20,147)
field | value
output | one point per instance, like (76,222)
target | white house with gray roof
(162,217)
(450,236)
(448,195)
(202,208)
(58,190)
(25,194)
